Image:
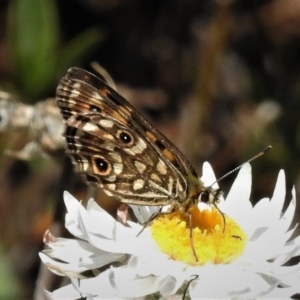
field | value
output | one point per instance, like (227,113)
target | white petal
(96,222)
(80,253)
(65,293)
(270,240)
(237,204)
(71,222)
(128,284)
(277,201)
(208,176)
(169,284)
(158,264)
(149,270)
(291,251)
(280,293)
(269,212)
(288,216)
(225,283)
(98,287)
(144,213)
(81,222)
(60,268)
(99,228)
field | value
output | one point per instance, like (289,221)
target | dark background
(221,79)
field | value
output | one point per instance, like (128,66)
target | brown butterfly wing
(116,147)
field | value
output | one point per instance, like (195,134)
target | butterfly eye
(101,166)
(210,195)
(204,196)
(125,137)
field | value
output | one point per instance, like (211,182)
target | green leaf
(33,38)
(76,49)
(9,285)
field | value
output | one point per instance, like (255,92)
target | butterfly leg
(222,214)
(154,216)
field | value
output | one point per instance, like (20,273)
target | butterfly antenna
(246,162)
(232,171)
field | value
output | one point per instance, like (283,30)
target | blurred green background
(221,79)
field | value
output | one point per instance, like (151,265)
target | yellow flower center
(213,240)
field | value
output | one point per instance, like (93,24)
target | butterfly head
(199,192)
(210,195)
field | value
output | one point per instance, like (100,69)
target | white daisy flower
(245,259)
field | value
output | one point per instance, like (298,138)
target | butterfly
(117,149)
